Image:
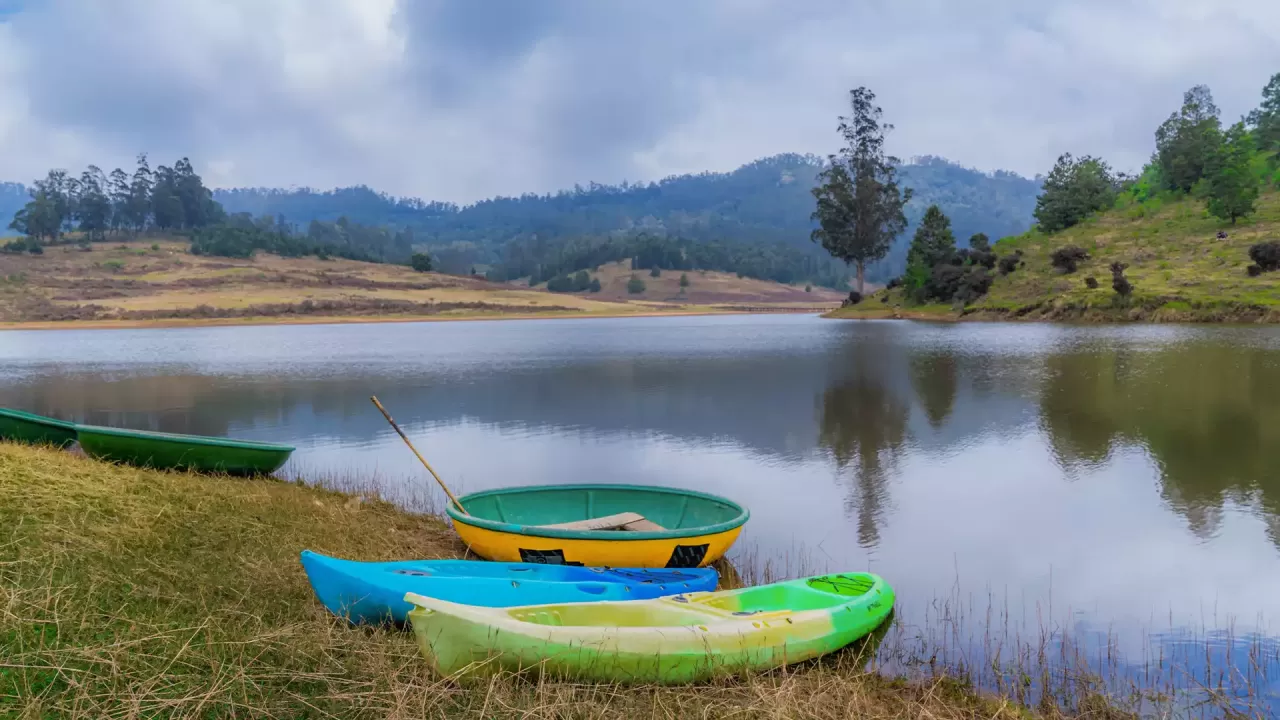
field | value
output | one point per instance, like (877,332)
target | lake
(1118,485)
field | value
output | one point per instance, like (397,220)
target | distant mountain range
(763,203)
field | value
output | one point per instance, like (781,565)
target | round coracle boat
(599,525)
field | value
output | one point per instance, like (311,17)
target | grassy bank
(132,593)
(157,282)
(1180,271)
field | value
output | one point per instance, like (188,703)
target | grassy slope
(1179,269)
(132,593)
(707,288)
(132,282)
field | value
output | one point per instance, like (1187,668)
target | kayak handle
(593,588)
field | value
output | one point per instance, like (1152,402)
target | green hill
(765,204)
(1178,266)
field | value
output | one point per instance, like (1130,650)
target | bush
(1068,258)
(655,271)
(975,283)
(1254,270)
(1266,255)
(578,282)
(420,262)
(18,246)
(1091,282)
(808,288)
(684,281)
(1119,282)
(1008,264)
(943,282)
(949,283)
(854,298)
(985,258)
(894,283)
(155,246)
(595,285)
(635,285)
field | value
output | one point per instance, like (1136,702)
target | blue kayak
(373,592)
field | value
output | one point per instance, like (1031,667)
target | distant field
(155,281)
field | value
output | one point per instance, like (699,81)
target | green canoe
(676,639)
(168,451)
(25,427)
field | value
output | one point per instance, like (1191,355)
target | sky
(458,100)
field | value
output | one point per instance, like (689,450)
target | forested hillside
(754,221)
(765,205)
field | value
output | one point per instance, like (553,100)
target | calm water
(1113,480)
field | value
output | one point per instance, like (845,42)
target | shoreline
(374,319)
(1068,314)
(157,554)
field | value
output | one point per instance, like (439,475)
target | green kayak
(677,639)
(25,427)
(168,451)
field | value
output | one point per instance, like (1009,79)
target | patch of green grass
(1171,248)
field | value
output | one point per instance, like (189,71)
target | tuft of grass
(129,593)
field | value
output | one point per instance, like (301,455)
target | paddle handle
(421,459)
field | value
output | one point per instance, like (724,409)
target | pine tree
(859,204)
(1266,119)
(1073,190)
(1233,187)
(933,244)
(1187,142)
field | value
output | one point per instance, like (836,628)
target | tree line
(175,200)
(1195,155)
(97,204)
(552,260)
(860,199)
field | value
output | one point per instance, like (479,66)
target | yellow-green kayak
(681,638)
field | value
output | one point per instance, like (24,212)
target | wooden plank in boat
(620,521)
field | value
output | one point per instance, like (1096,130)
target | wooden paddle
(444,487)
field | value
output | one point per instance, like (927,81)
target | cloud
(458,100)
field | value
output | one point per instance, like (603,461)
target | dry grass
(130,593)
(133,283)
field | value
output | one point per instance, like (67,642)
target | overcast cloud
(457,100)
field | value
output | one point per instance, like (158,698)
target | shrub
(1008,264)
(943,282)
(854,298)
(1068,258)
(975,283)
(155,246)
(684,281)
(1091,282)
(1266,255)
(808,288)
(655,271)
(1119,282)
(595,285)
(985,258)
(1254,270)
(635,285)
(420,262)
(894,283)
